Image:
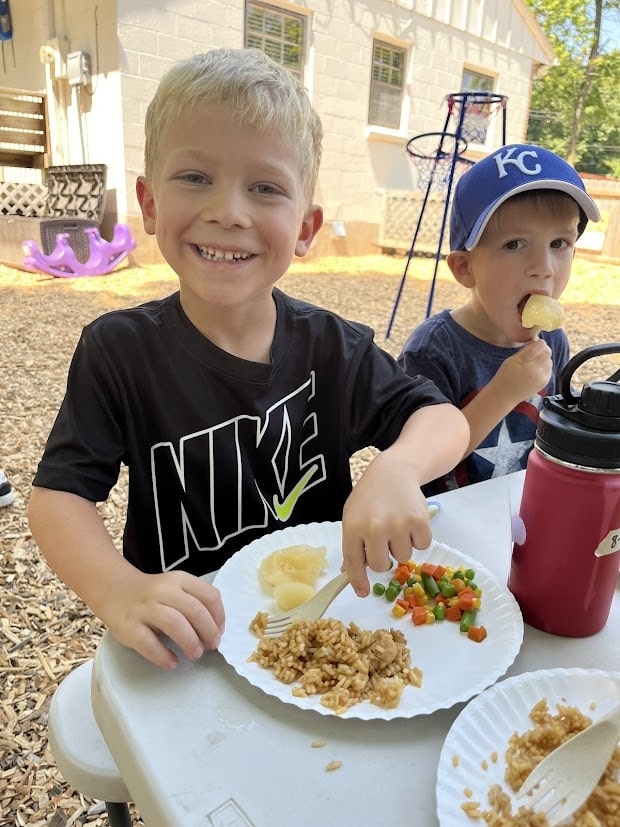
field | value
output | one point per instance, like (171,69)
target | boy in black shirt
(235,407)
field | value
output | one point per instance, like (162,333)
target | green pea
(391,594)
(470,574)
(439,611)
(379,589)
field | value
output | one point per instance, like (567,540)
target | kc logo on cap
(503,159)
(510,170)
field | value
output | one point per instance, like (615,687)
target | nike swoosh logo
(285,508)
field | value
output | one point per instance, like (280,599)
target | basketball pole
(444,217)
(429,186)
(492,99)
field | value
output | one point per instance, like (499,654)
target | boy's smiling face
(527,248)
(227,207)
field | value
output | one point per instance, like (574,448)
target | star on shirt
(506,455)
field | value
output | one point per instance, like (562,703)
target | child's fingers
(148,644)
(189,623)
(209,598)
(354,563)
(536,349)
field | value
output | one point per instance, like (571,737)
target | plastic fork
(316,607)
(312,609)
(565,778)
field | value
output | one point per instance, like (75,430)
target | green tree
(574,108)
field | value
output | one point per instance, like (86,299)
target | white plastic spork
(565,778)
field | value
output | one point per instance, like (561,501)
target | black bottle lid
(583,429)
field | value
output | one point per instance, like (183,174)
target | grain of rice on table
(342,664)
(526,751)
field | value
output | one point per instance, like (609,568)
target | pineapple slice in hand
(542,313)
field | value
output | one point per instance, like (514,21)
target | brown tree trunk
(586,85)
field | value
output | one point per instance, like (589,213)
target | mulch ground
(46,631)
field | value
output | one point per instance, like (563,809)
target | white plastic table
(200,746)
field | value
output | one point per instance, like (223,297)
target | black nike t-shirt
(221,450)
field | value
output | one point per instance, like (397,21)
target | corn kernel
(418,590)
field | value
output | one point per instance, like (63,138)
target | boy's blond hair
(561,205)
(260,91)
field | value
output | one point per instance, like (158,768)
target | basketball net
(474,111)
(436,159)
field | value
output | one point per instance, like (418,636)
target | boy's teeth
(222,255)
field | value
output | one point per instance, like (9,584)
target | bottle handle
(571,366)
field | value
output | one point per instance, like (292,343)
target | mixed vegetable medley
(433,593)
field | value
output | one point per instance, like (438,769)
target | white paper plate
(454,668)
(488,721)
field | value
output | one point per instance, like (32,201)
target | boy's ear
(146,199)
(459,262)
(311,224)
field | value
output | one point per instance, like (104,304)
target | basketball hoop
(437,159)
(473,112)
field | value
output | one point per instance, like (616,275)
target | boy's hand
(179,605)
(384,517)
(526,372)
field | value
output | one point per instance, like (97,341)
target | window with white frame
(387,82)
(476,82)
(277,32)
(477,115)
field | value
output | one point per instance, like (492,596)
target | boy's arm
(386,513)
(138,608)
(520,377)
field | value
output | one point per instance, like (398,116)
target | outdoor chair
(75,200)
(79,750)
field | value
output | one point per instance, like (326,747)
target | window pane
(475,82)
(386,86)
(476,118)
(278,33)
(385,107)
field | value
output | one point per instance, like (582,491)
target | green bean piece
(430,585)
(468,619)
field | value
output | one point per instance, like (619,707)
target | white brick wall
(136,42)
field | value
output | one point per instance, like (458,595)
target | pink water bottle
(565,572)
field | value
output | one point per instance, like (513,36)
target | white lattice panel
(401,213)
(22,199)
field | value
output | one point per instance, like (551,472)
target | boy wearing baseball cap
(515,219)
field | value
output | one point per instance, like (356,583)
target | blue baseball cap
(507,171)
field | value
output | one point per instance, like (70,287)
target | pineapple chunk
(294,564)
(289,595)
(543,312)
